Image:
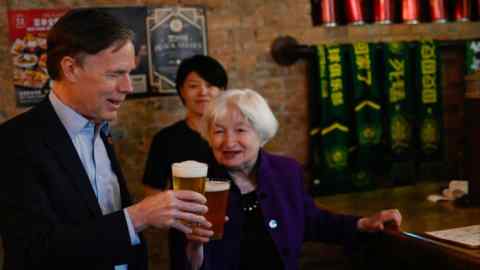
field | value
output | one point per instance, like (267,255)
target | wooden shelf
(393,32)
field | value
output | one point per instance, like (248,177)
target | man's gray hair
(252,106)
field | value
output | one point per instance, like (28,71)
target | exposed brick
(223,21)
(240,34)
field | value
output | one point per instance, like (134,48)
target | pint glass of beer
(189,175)
(216,193)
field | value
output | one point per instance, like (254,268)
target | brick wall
(240,33)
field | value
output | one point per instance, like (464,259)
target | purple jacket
(290,216)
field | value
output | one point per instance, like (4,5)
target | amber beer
(217,198)
(189,175)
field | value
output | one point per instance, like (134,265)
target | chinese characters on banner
(28,36)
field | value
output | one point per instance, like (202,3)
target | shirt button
(272,224)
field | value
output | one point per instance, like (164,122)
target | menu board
(134,18)
(468,236)
(28,37)
(173,33)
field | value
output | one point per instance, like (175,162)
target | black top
(174,143)
(257,249)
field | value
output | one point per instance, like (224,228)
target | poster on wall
(134,18)
(28,39)
(173,33)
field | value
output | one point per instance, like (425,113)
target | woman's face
(234,141)
(197,93)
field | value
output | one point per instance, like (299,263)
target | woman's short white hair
(252,106)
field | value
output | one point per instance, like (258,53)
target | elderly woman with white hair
(270,214)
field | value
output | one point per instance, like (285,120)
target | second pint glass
(189,175)
(216,193)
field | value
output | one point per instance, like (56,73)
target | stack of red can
(410,11)
(438,11)
(478,9)
(357,12)
(383,11)
(462,10)
(329,13)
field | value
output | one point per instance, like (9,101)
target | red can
(329,17)
(462,11)
(437,11)
(383,11)
(355,12)
(478,9)
(410,11)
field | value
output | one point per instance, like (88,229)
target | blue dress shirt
(85,136)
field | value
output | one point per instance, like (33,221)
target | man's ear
(69,68)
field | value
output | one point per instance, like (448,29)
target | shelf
(393,32)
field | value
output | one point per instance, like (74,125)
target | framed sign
(173,33)
(28,37)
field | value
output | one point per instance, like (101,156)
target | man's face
(102,82)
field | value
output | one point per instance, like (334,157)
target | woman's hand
(377,221)
(194,251)
(196,239)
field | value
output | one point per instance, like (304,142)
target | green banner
(430,103)
(472,56)
(319,93)
(366,95)
(334,130)
(400,99)
(368,114)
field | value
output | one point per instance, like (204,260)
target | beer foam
(215,186)
(189,168)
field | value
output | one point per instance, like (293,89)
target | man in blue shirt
(63,198)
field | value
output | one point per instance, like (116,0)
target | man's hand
(200,234)
(170,209)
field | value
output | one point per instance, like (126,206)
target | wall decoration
(28,37)
(173,33)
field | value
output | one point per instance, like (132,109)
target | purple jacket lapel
(280,190)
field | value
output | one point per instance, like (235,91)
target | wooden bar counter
(408,249)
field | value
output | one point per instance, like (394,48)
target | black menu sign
(134,18)
(173,33)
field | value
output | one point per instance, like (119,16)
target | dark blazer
(49,215)
(290,216)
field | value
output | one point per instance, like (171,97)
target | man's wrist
(137,217)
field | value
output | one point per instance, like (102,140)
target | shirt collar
(73,121)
